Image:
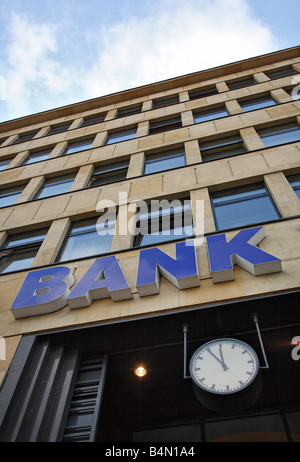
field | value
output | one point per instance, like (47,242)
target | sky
(58,52)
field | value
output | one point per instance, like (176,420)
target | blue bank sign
(48,289)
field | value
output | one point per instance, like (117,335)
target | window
(241,83)
(78,146)
(164,222)
(4,164)
(164,125)
(222,147)
(58,129)
(162,102)
(109,173)
(257,103)
(279,73)
(280,134)
(243,206)
(122,135)
(25,137)
(19,250)
(203,93)
(96,119)
(54,186)
(211,114)
(9,195)
(37,157)
(164,161)
(128,111)
(87,238)
(295,183)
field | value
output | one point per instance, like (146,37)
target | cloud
(180,38)
(164,39)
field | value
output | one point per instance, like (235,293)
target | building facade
(95,281)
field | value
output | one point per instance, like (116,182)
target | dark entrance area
(161,406)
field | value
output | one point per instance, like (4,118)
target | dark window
(164,125)
(109,173)
(25,137)
(4,164)
(279,73)
(8,196)
(37,157)
(280,134)
(162,102)
(58,129)
(164,222)
(78,146)
(241,83)
(96,119)
(164,161)
(19,250)
(128,111)
(203,93)
(295,183)
(55,186)
(257,103)
(210,114)
(222,147)
(268,428)
(243,206)
(86,238)
(122,135)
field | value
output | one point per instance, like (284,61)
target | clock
(226,375)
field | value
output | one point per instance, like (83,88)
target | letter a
(102,280)
(240,250)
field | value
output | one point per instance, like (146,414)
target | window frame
(203,92)
(93,120)
(157,217)
(295,179)
(84,227)
(246,190)
(150,159)
(129,110)
(62,179)
(6,162)
(220,151)
(280,73)
(58,128)
(165,101)
(111,136)
(26,136)
(276,133)
(217,112)
(30,158)
(79,143)
(19,190)
(241,82)
(21,247)
(108,172)
(251,101)
(164,125)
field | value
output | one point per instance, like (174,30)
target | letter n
(182,271)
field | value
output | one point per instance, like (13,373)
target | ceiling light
(140,371)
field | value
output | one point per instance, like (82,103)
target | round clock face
(224,366)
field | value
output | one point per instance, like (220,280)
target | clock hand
(221,362)
(222,358)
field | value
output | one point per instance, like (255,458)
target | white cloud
(185,37)
(173,38)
